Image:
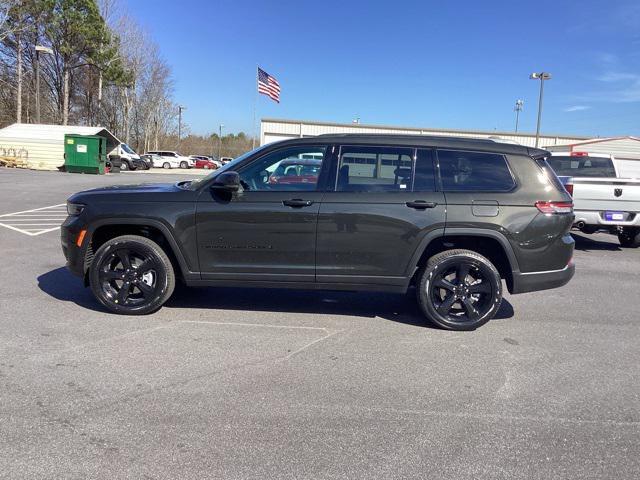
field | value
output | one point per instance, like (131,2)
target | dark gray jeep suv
(451,216)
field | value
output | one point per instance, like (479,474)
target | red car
(204,162)
(295,170)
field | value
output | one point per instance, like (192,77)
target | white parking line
(38,220)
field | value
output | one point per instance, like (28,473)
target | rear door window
(374,169)
(463,171)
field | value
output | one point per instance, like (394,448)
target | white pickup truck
(602,201)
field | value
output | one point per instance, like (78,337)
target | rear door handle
(421,204)
(297,203)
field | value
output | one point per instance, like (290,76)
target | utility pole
(518,109)
(39,49)
(542,76)
(180,108)
(19,78)
(220,140)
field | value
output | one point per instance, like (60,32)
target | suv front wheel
(459,290)
(131,275)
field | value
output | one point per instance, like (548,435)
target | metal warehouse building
(272,130)
(625,149)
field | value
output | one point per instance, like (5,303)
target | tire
(131,275)
(448,297)
(184,164)
(125,166)
(629,238)
(166,165)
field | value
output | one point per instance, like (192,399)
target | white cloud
(576,108)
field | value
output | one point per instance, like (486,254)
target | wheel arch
(103,230)
(491,244)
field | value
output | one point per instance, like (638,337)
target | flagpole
(255,103)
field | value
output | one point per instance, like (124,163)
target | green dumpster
(85,153)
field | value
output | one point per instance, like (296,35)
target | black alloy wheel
(460,290)
(131,275)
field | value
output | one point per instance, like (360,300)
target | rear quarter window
(462,171)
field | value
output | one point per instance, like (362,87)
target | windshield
(227,167)
(566,166)
(128,149)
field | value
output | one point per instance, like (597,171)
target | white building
(272,130)
(42,146)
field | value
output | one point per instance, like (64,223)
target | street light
(542,76)
(518,109)
(180,108)
(220,127)
(39,48)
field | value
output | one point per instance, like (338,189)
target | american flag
(268,85)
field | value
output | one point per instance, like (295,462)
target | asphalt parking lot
(234,383)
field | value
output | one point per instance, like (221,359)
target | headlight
(74,209)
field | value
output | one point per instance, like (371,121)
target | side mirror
(228,181)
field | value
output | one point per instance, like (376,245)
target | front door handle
(421,204)
(297,203)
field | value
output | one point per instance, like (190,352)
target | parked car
(130,160)
(296,171)
(225,160)
(602,200)
(148,160)
(452,217)
(172,159)
(205,162)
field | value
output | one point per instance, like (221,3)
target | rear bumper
(533,281)
(597,219)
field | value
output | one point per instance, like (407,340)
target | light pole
(518,109)
(542,76)
(39,48)
(180,108)
(220,127)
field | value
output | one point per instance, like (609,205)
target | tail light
(552,208)
(569,188)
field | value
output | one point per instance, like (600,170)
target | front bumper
(533,281)
(74,255)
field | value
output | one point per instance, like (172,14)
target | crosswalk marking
(36,221)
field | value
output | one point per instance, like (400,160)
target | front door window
(295,169)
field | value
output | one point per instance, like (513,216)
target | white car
(170,159)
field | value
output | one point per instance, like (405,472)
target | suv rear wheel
(166,165)
(131,275)
(184,164)
(629,237)
(459,290)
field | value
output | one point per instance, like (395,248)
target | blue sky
(444,64)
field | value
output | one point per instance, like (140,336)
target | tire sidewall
(433,268)
(165,277)
(166,165)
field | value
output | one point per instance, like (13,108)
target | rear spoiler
(538,153)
